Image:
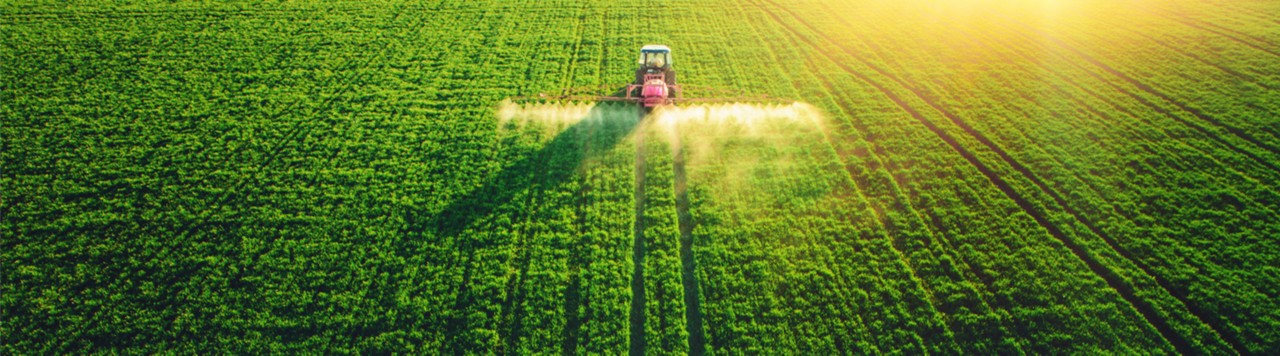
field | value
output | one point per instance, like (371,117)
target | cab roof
(655,48)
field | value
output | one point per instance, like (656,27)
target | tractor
(655,78)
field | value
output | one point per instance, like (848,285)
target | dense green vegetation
(348,176)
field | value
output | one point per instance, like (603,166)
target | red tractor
(655,79)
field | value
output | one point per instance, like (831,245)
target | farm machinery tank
(655,78)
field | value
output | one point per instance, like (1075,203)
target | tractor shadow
(513,195)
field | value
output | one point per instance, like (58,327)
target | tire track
(1074,97)
(346,83)
(1114,280)
(861,328)
(899,197)
(1232,340)
(858,329)
(567,80)
(1163,283)
(552,164)
(1079,102)
(1240,133)
(463,298)
(604,52)
(573,296)
(693,310)
(1231,34)
(1195,310)
(638,252)
(1182,51)
(696,329)
(510,317)
(897,244)
(1201,315)
(1106,117)
(1158,109)
(1254,13)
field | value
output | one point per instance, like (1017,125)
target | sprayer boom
(655,86)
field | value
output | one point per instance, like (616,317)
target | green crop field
(929,177)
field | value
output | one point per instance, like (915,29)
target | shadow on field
(582,133)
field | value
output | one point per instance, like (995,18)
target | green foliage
(331,177)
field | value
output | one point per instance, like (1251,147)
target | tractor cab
(655,59)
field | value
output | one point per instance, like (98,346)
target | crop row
(1035,131)
(307,179)
(331,176)
(908,181)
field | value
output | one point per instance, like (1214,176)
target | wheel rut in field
(1118,107)
(1195,310)
(344,84)
(1181,50)
(1115,281)
(1084,88)
(573,299)
(1143,87)
(1256,14)
(1248,40)
(578,261)
(637,254)
(856,179)
(1078,99)
(692,305)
